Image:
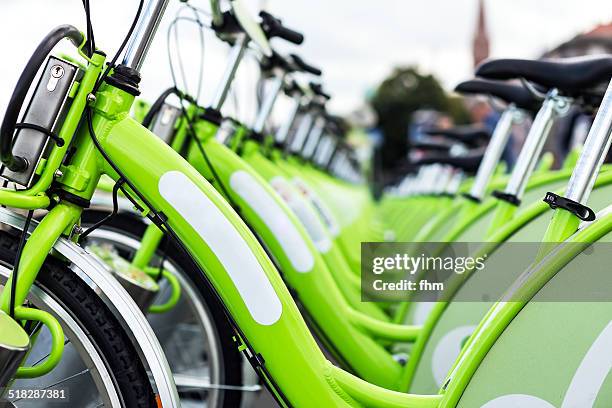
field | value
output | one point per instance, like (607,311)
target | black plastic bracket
(509,198)
(256,136)
(471,197)
(71,198)
(212,115)
(581,211)
(125,78)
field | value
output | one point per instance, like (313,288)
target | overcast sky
(356,42)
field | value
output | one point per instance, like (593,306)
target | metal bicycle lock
(43,117)
(227,131)
(164,122)
(554,105)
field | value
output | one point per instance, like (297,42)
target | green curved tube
(57,342)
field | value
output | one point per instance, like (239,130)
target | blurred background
(390,65)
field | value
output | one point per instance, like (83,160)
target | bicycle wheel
(195,334)
(99,366)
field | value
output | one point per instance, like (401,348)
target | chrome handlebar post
(321,151)
(283,130)
(594,152)
(141,38)
(268,102)
(494,151)
(234,59)
(313,137)
(328,155)
(302,131)
(553,106)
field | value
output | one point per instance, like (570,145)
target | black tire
(90,312)
(231,358)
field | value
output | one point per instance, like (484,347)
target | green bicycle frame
(348,333)
(249,286)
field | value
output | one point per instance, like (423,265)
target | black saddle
(468,163)
(581,76)
(468,135)
(509,93)
(432,146)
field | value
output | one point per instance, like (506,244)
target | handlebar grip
(303,66)
(318,90)
(16,163)
(273,27)
(290,35)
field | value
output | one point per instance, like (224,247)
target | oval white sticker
(275,218)
(226,243)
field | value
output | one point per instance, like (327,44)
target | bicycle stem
(313,137)
(283,130)
(328,154)
(235,57)
(268,102)
(300,134)
(141,39)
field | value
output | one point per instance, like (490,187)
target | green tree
(403,92)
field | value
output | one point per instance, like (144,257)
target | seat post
(594,152)
(494,151)
(553,106)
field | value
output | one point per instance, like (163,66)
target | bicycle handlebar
(17,163)
(273,27)
(303,66)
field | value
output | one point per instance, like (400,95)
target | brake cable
(107,218)
(22,240)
